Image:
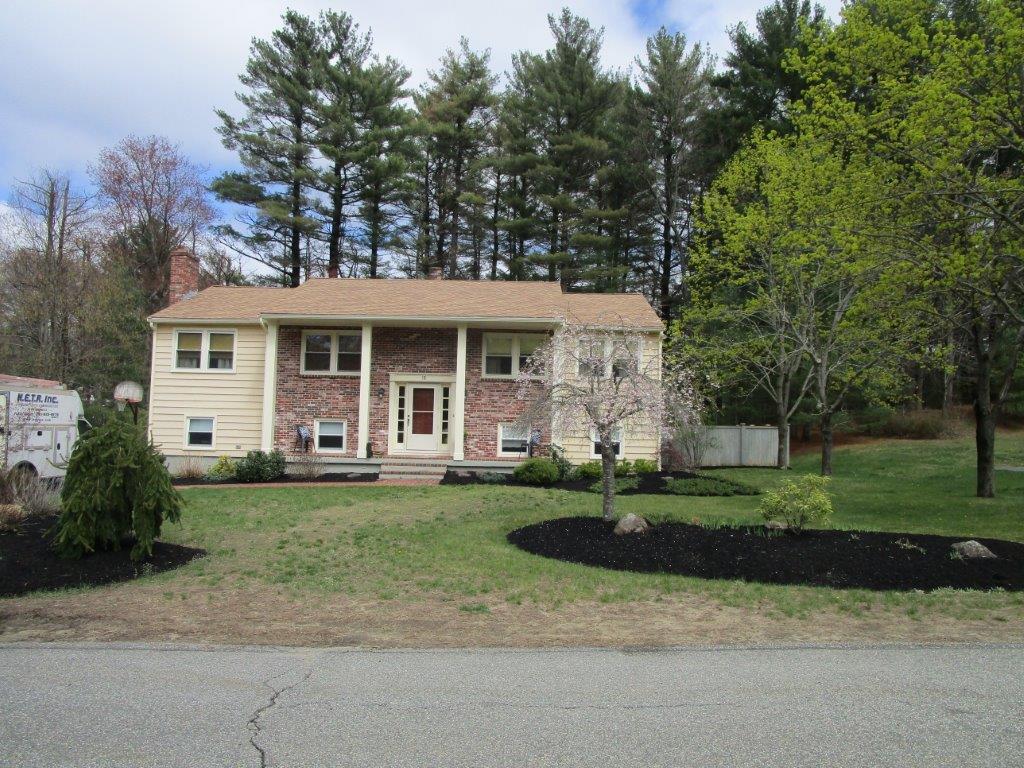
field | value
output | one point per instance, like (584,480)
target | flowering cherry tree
(596,378)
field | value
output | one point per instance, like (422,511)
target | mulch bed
(841,559)
(28,562)
(326,477)
(647,483)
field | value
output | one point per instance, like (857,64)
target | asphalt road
(105,705)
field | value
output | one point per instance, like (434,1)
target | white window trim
(622,443)
(333,369)
(344,435)
(516,338)
(608,354)
(204,350)
(213,443)
(516,454)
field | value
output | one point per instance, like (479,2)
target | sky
(78,75)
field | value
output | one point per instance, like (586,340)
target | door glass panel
(422,411)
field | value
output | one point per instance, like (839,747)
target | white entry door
(422,422)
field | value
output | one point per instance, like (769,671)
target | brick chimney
(184,282)
(435,273)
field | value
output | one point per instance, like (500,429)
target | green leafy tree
(339,136)
(275,141)
(933,88)
(676,98)
(456,109)
(116,486)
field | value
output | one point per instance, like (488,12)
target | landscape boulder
(776,525)
(972,550)
(631,524)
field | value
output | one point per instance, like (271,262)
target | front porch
(368,394)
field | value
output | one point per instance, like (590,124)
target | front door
(421,422)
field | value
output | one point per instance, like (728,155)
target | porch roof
(420,300)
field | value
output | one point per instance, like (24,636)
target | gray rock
(776,525)
(631,524)
(972,550)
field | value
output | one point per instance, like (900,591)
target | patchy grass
(434,562)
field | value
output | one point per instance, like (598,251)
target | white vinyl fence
(742,446)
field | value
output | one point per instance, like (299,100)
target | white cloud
(81,74)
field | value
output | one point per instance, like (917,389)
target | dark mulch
(842,559)
(326,477)
(647,483)
(28,562)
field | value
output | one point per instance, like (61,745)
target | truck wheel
(23,472)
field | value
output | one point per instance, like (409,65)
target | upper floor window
(608,358)
(204,350)
(332,352)
(506,354)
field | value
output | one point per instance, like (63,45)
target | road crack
(254,723)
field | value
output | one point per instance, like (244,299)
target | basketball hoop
(129,393)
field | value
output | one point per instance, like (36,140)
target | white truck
(39,424)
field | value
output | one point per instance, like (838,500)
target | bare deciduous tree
(154,200)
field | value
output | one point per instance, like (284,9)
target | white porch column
(364,391)
(459,416)
(269,386)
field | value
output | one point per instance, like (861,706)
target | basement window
(330,436)
(595,444)
(199,432)
(513,440)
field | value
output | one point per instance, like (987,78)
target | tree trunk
(295,265)
(826,443)
(334,247)
(375,238)
(984,423)
(782,395)
(664,289)
(607,477)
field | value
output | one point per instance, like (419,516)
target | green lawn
(448,543)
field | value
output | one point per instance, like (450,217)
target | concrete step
(424,479)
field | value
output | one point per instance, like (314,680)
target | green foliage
(537,471)
(799,503)
(623,468)
(116,485)
(645,466)
(565,468)
(588,470)
(708,486)
(492,478)
(911,425)
(223,469)
(260,467)
(621,484)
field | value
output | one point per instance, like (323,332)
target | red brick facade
(303,398)
(185,275)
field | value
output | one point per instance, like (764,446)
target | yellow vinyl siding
(233,398)
(640,444)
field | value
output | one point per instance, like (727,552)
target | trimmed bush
(116,485)
(492,478)
(623,468)
(588,470)
(223,469)
(708,486)
(260,467)
(798,503)
(537,472)
(645,466)
(563,464)
(621,484)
